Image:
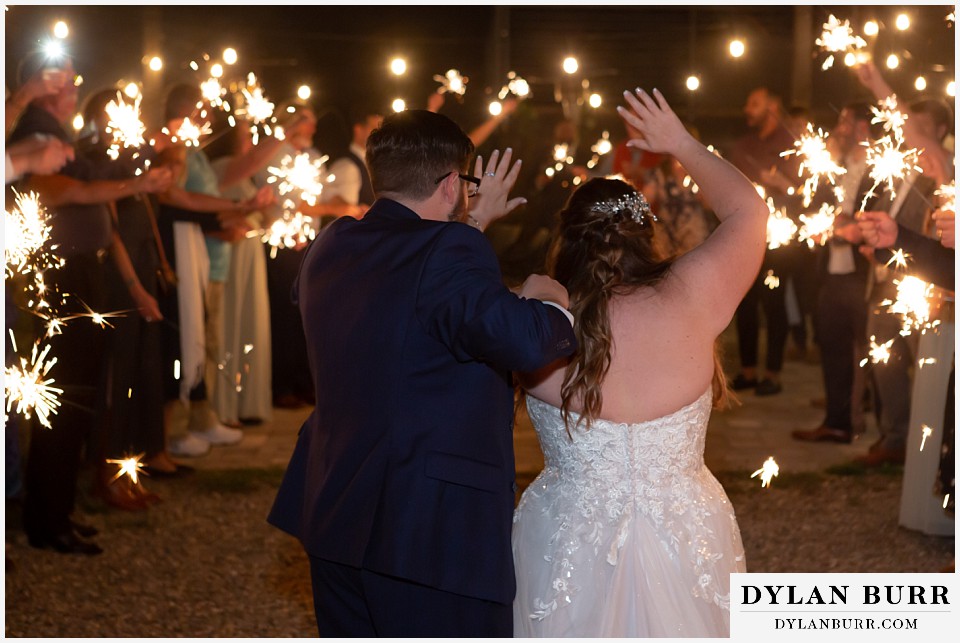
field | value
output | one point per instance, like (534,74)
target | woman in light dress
(626,532)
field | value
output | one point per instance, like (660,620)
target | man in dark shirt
(757,155)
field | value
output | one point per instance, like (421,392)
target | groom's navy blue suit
(405,467)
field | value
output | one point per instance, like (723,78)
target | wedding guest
(81,229)
(841,305)
(757,155)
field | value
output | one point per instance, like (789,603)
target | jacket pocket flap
(464,471)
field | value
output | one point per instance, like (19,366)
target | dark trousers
(53,461)
(291,368)
(748,323)
(841,328)
(351,602)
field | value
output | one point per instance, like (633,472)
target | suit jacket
(405,467)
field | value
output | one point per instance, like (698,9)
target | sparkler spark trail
(603,144)
(301,175)
(815,159)
(817,227)
(560,152)
(948,196)
(25,233)
(189,132)
(767,472)
(890,115)
(29,387)
(927,432)
(888,162)
(124,124)
(912,304)
(212,91)
(452,82)
(780,228)
(899,258)
(289,231)
(130,467)
(771,281)
(256,106)
(878,352)
(516,86)
(838,37)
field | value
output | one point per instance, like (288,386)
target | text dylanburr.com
(851,607)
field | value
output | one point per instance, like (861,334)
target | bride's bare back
(663,336)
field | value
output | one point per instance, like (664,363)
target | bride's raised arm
(720,271)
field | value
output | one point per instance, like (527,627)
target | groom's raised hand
(496,182)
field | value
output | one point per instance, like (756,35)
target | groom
(401,485)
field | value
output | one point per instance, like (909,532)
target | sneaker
(219,434)
(768,387)
(189,446)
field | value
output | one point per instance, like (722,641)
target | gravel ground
(204,563)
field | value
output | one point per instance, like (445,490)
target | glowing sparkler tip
(767,472)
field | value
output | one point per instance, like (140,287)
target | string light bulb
(156,63)
(570,65)
(230,56)
(871,28)
(737,48)
(903,22)
(693,83)
(398,66)
(893,61)
(399,105)
(60,30)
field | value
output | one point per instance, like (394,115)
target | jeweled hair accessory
(634,204)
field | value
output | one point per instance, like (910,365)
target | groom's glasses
(472,190)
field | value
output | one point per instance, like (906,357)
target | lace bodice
(598,482)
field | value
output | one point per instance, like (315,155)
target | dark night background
(342,52)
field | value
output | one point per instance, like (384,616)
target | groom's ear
(450,188)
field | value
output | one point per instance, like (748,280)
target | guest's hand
(944,220)
(156,180)
(264,197)
(544,288)
(661,130)
(435,102)
(40,154)
(877,228)
(496,182)
(145,303)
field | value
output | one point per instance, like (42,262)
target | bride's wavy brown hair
(600,252)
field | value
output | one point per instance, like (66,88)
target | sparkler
(927,432)
(452,82)
(124,124)
(811,150)
(767,472)
(299,174)
(258,109)
(817,227)
(878,352)
(780,228)
(213,92)
(912,304)
(29,387)
(516,86)
(189,132)
(948,196)
(289,231)
(771,281)
(836,37)
(899,258)
(888,162)
(130,467)
(560,152)
(25,232)
(890,116)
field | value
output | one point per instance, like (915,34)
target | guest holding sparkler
(83,231)
(841,304)
(926,125)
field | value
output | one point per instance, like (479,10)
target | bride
(626,532)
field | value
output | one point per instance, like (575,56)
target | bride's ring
(489,174)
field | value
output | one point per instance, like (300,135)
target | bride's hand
(661,129)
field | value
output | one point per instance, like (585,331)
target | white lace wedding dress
(625,532)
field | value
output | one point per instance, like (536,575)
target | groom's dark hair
(412,149)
